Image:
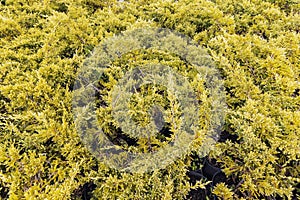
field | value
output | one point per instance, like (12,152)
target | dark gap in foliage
(243,29)
(4,192)
(2,105)
(49,141)
(100,102)
(68,52)
(35,46)
(296,192)
(209,171)
(118,137)
(213,173)
(226,135)
(84,192)
(202,25)
(70,86)
(3,168)
(267,142)
(60,7)
(292,168)
(296,93)
(197,194)
(49,145)
(164,133)
(94,5)
(29,22)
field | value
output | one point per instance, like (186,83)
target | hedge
(254,45)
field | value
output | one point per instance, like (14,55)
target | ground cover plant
(254,45)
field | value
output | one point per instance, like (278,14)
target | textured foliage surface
(255,45)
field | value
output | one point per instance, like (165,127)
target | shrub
(255,45)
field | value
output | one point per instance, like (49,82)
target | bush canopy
(253,44)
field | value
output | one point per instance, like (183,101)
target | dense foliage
(255,45)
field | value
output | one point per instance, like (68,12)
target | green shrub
(43,44)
